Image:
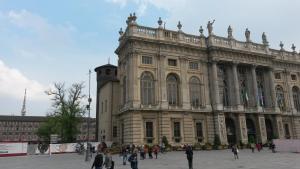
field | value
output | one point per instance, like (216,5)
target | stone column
(254,85)
(236,85)
(243,128)
(262,128)
(215,86)
(272,90)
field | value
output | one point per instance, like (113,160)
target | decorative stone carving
(179,26)
(210,27)
(247,35)
(281,46)
(264,39)
(293,48)
(229,31)
(121,32)
(201,31)
(159,22)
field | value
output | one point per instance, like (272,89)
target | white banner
(287,145)
(13,149)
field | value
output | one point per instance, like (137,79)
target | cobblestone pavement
(222,159)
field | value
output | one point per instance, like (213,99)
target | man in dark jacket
(189,156)
(133,159)
(98,162)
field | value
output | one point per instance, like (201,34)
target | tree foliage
(67,112)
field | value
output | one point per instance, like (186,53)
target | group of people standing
(103,158)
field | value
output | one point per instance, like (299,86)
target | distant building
(191,88)
(23,128)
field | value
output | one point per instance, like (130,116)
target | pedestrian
(155,150)
(142,153)
(273,147)
(108,160)
(133,160)
(98,162)
(124,154)
(163,146)
(235,152)
(258,147)
(189,156)
(252,147)
(150,152)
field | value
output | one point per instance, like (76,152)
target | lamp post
(88,107)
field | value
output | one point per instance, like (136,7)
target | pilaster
(221,128)
(236,86)
(184,84)
(272,90)
(243,128)
(262,128)
(215,86)
(279,127)
(162,81)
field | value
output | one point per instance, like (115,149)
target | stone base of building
(148,127)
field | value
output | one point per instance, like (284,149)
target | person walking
(155,150)
(189,156)
(108,160)
(133,159)
(98,162)
(125,152)
(252,147)
(150,152)
(235,152)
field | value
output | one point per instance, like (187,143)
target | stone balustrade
(135,30)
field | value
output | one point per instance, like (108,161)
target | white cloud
(13,83)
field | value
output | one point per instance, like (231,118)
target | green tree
(67,112)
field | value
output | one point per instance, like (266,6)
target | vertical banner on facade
(13,149)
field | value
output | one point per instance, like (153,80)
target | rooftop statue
(210,27)
(264,39)
(229,30)
(247,34)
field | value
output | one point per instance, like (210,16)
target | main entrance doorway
(251,130)
(269,128)
(231,132)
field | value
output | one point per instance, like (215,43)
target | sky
(43,42)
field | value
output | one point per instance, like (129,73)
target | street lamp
(88,107)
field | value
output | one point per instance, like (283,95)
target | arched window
(223,85)
(260,88)
(280,97)
(147,89)
(244,95)
(172,89)
(296,98)
(195,93)
(124,90)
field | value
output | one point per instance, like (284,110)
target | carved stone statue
(247,34)
(264,39)
(210,27)
(229,30)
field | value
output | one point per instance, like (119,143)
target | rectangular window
(277,76)
(105,105)
(147,60)
(193,65)
(294,77)
(176,131)
(149,129)
(199,132)
(115,131)
(172,62)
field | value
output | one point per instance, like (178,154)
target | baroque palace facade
(191,88)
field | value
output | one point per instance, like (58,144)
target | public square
(221,159)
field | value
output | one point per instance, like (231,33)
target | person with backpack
(133,159)
(235,152)
(108,160)
(98,162)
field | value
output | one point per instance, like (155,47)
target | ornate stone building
(191,88)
